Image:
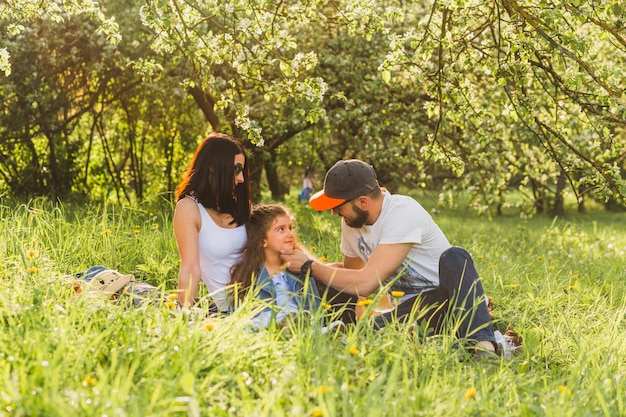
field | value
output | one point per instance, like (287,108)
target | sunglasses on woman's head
(238,168)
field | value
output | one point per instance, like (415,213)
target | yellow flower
(551,267)
(89,381)
(155,225)
(326,305)
(323,259)
(470,393)
(397,294)
(31,270)
(324,389)
(353,351)
(539,257)
(575,276)
(107,232)
(208,326)
(172,296)
(32,253)
(564,390)
(317,412)
(137,231)
(170,304)
(365,302)
(571,288)
(513,286)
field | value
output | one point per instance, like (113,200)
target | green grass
(560,283)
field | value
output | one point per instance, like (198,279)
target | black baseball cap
(345,181)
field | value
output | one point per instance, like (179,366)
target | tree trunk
(206,104)
(558,209)
(277,188)
(539,195)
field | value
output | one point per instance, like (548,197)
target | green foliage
(77,120)
(484,97)
(559,283)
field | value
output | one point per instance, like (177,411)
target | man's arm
(356,277)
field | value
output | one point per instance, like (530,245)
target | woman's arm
(187,224)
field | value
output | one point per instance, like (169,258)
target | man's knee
(454,254)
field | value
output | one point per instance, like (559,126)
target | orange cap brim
(320,201)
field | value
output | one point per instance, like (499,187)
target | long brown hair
(210,178)
(257,226)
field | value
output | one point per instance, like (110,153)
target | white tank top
(220,248)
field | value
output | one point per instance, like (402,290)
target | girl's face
(239,164)
(279,236)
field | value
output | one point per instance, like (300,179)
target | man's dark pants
(458,301)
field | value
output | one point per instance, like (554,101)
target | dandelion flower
(89,381)
(326,305)
(172,297)
(353,351)
(323,259)
(397,294)
(317,412)
(170,304)
(470,393)
(107,232)
(208,326)
(32,253)
(365,302)
(324,389)
(31,270)
(564,390)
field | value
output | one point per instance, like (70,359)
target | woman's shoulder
(187,202)
(186,209)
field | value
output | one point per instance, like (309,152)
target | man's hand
(294,259)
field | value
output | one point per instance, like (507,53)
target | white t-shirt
(307,182)
(220,248)
(401,220)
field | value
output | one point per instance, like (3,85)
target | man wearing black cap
(391,240)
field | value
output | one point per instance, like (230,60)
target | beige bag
(107,282)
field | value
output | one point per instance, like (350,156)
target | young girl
(213,204)
(262,270)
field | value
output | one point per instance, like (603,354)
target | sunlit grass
(558,283)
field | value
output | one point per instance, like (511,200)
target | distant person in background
(213,205)
(263,271)
(391,240)
(308,183)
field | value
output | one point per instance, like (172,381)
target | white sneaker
(506,345)
(337,324)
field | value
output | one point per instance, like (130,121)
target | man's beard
(360,219)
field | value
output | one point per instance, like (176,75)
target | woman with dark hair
(213,205)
